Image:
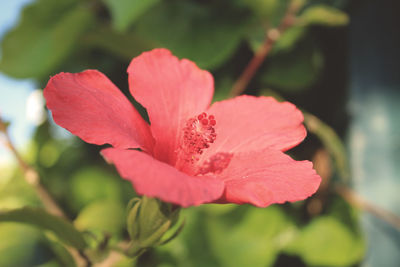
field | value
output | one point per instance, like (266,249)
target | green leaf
(21,245)
(269,11)
(344,212)
(62,254)
(46,34)
(52,263)
(262,8)
(40,218)
(289,39)
(296,69)
(201,33)
(125,12)
(324,15)
(328,242)
(256,36)
(106,216)
(254,241)
(16,192)
(49,153)
(220,235)
(93,184)
(192,246)
(123,45)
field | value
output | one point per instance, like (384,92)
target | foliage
(221,36)
(38,217)
(45,36)
(125,12)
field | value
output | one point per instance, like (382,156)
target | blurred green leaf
(63,256)
(255,36)
(106,216)
(331,142)
(124,45)
(269,11)
(230,235)
(91,184)
(345,213)
(263,8)
(192,247)
(324,15)
(325,241)
(21,245)
(253,241)
(51,263)
(49,153)
(40,218)
(289,39)
(46,34)
(205,35)
(317,14)
(217,209)
(296,69)
(125,12)
(16,192)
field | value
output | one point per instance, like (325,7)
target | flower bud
(148,220)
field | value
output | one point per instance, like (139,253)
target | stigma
(198,134)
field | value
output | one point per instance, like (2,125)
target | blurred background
(338,61)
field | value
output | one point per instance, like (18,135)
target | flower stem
(272,35)
(359,202)
(32,178)
(117,253)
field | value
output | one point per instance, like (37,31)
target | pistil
(198,134)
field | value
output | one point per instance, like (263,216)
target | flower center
(198,134)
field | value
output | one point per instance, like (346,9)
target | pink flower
(191,153)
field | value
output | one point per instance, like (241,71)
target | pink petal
(90,106)
(269,176)
(248,123)
(172,91)
(154,178)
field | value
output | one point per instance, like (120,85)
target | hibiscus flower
(190,153)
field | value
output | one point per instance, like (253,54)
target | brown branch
(271,37)
(359,202)
(32,178)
